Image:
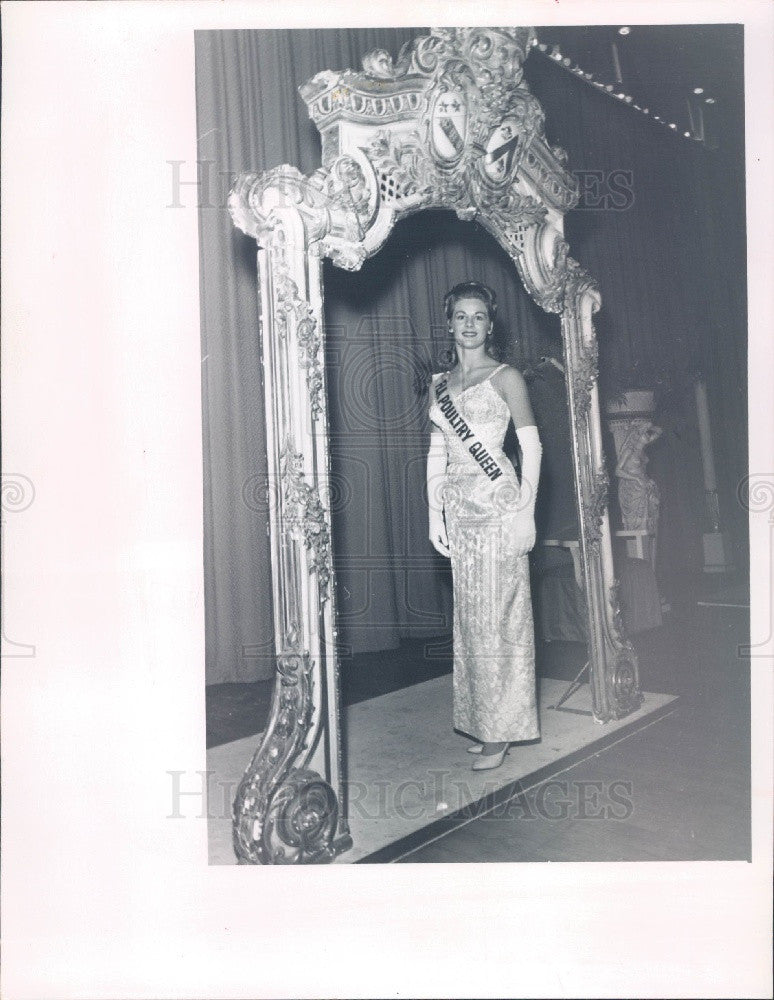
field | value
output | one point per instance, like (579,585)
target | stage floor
(410,776)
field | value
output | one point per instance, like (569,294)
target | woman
(489,527)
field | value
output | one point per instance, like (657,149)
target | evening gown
(494,645)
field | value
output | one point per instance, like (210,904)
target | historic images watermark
(607,190)
(604,190)
(434,794)
(212,186)
(18,493)
(755,494)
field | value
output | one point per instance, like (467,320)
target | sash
(488,465)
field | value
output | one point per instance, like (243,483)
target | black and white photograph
(387,499)
(475,424)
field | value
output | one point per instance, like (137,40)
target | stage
(410,778)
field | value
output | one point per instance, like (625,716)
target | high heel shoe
(490,761)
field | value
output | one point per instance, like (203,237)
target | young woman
(482,517)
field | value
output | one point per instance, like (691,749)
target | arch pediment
(450,124)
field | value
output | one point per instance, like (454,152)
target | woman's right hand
(438,537)
(523,531)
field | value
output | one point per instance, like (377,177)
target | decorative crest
(459,94)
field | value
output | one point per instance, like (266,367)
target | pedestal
(717,552)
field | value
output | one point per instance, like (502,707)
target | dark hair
(471,290)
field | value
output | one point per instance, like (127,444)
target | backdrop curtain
(250,117)
(655,263)
(669,255)
(385,328)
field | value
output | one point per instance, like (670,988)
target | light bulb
(624,31)
(698,90)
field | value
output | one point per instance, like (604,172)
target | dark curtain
(384,326)
(250,117)
(661,227)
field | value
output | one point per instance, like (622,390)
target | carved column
(288,808)
(614,673)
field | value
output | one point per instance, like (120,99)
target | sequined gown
(494,645)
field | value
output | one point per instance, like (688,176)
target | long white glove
(524,521)
(436,472)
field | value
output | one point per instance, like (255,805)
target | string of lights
(553,52)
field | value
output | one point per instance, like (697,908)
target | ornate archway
(451,125)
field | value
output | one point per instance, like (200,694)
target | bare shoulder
(510,379)
(512,387)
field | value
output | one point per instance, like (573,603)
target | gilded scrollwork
(595,506)
(550,295)
(346,188)
(420,57)
(508,207)
(547,173)
(565,282)
(301,821)
(584,377)
(496,56)
(625,686)
(282,815)
(625,675)
(409,180)
(347,256)
(242,208)
(402,170)
(453,125)
(288,724)
(616,618)
(259,202)
(289,306)
(577,283)
(305,516)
